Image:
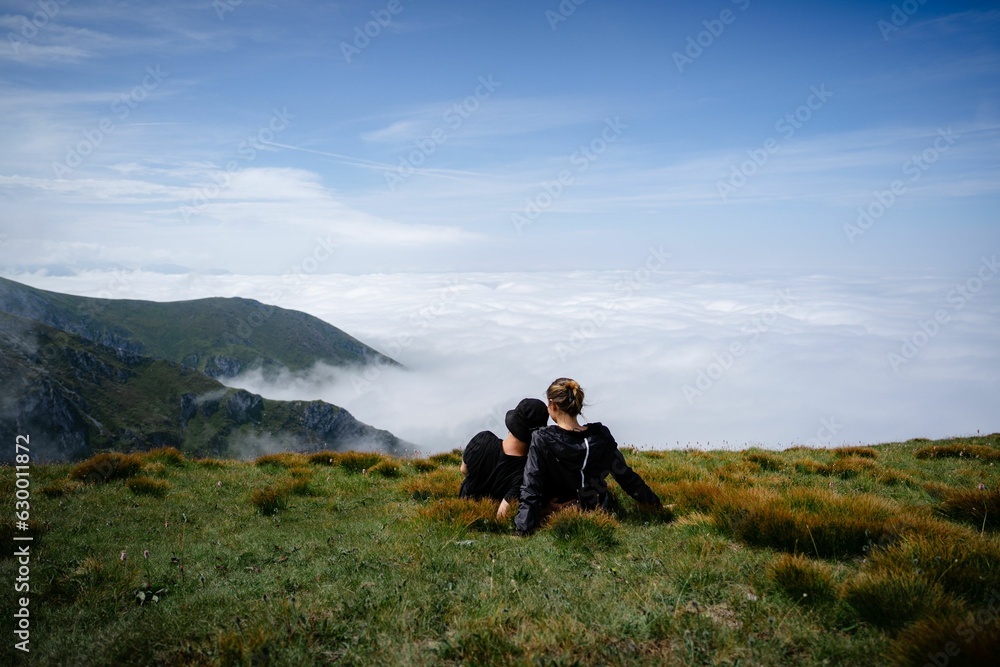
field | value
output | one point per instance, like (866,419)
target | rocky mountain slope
(75,396)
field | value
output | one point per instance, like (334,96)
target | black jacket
(566,465)
(492,473)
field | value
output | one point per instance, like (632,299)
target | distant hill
(74,396)
(218,336)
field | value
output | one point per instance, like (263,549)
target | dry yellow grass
(106,467)
(442,483)
(147,486)
(467,514)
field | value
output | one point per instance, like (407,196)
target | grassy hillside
(218,336)
(77,397)
(880,555)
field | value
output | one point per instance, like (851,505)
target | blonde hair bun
(567,394)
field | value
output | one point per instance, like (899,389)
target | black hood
(571,447)
(566,465)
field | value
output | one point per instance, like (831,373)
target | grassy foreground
(875,555)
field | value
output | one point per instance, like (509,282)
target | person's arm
(513,493)
(502,510)
(631,482)
(528,514)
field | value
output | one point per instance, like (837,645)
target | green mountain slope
(74,397)
(219,336)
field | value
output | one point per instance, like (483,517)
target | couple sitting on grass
(548,468)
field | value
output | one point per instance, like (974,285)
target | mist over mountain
(83,377)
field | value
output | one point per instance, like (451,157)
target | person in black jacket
(569,462)
(493,468)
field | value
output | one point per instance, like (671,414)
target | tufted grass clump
(324,458)
(956,558)
(768,462)
(847,467)
(442,483)
(804,580)
(142,485)
(424,465)
(107,467)
(61,487)
(301,472)
(860,452)
(357,462)
(891,477)
(892,600)
(690,496)
(386,468)
(271,499)
(970,642)
(353,462)
(808,466)
(980,508)
(628,511)
(959,451)
(583,528)
(452,458)
(817,522)
(467,514)
(166,455)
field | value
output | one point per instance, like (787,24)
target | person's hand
(502,511)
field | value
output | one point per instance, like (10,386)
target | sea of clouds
(667,358)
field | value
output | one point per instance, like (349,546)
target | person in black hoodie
(569,462)
(493,468)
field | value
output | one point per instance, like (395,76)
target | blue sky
(118,121)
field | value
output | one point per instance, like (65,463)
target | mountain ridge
(76,396)
(220,336)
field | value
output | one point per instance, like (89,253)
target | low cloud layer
(667,359)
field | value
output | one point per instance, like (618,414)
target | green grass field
(861,556)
